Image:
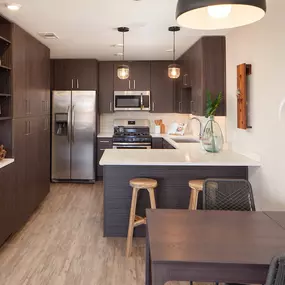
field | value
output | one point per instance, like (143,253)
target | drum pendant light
(219,14)
(174,69)
(123,71)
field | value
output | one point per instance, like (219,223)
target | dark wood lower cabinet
(7,205)
(28,178)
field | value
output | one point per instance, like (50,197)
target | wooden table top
(278,217)
(214,236)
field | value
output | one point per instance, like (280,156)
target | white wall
(262,45)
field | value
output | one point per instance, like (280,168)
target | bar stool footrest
(139,221)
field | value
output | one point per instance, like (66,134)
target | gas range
(131,134)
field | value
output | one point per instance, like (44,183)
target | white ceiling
(87,28)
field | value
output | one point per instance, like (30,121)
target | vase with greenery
(212,138)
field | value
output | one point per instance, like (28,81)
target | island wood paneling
(172,191)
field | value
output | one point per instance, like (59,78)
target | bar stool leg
(152,198)
(131,222)
(193,199)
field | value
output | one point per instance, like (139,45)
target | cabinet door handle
(30,107)
(153,106)
(191,106)
(72,85)
(77,83)
(129,84)
(180,107)
(27,107)
(47,106)
(102,149)
(43,106)
(186,79)
(111,106)
(134,84)
(26,128)
(104,141)
(29,127)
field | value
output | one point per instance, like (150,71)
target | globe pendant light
(219,14)
(123,70)
(174,69)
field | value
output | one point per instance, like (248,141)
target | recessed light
(118,54)
(117,45)
(14,6)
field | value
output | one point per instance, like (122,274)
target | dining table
(212,246)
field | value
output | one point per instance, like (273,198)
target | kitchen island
(172,168)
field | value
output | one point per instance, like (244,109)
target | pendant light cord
(173,47)
(123,46)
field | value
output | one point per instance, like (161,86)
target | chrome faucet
(201,126)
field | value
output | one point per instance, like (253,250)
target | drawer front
(102,144)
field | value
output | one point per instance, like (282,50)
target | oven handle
(131,144)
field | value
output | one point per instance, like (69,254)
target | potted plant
(212,138)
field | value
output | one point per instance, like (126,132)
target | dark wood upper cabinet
(140,76)
(139,79)
(86,74)
(162,88)
(186,70)
(208,71)
(202,69)
(106,87)
(19,72)
(63,74)
(182,92)
(30,81)
(75,74)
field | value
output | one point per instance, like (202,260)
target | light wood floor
(62,244)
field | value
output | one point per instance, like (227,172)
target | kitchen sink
(184,140)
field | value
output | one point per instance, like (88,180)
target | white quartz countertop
(6,162)
(185,154)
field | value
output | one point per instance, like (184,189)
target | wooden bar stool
(134,221)
(196,187)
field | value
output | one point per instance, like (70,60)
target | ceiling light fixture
(174,69)
(123,70)
(219,14)
(14,6)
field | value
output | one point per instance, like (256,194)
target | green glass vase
(212,138)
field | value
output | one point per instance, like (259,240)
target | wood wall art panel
(243,70)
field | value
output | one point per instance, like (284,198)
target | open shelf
(5,118)
(5,95)
(3,67)
(4,44)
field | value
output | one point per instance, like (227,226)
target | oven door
(132,101)
(131,145)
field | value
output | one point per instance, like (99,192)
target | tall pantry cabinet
(26,134)
(31,114)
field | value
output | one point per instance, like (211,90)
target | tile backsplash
(106,121)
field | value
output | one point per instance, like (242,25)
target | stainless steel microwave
(132,100)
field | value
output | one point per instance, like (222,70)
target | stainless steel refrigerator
(73,136)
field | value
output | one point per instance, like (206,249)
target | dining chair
(276,272)
(228,195)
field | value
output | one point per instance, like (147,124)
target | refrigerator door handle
(68,123)
(72,123)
